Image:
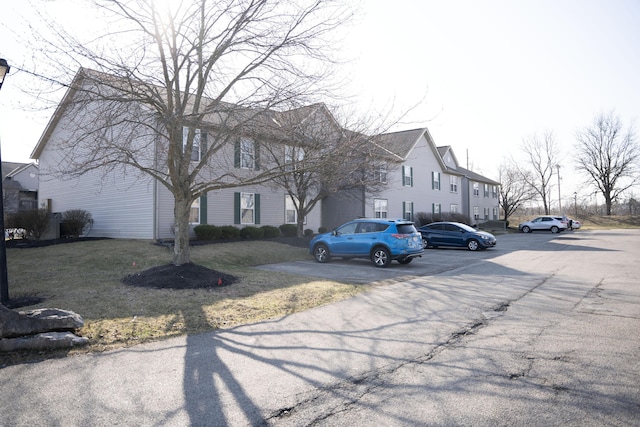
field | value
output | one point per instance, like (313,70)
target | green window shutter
(236,208)
(433,180)
(411,171)
(236,157)
(257,202)
(203,209)
(404,209)
(203,144)
(256,147)
(403,179)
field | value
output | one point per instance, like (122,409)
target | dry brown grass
(85,277)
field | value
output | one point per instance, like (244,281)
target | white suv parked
(555,224)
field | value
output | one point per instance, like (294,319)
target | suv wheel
(321,253)
(554,229)
(526,229)
(381,257)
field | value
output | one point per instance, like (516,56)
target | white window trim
(383,211)
(243,208)
(247,157)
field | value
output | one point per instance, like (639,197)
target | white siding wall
(424,162)
(120,202)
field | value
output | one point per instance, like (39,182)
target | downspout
(156,226)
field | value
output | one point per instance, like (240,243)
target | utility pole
(559,195)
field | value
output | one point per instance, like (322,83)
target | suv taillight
(401,236)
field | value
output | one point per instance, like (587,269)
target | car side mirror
(334,233)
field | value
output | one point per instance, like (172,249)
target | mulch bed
(185,276)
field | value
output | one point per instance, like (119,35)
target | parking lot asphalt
(434,261)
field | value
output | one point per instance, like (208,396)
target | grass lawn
(86,277)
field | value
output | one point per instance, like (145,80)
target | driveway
(546,333)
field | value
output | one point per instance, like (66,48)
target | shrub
(289,230)
(207,232)
(308,232)
(74,222)
(229,232)
(270,231)
(322,230)
(252,233)
(35,222)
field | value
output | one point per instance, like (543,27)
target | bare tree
(542,155)
(609,155)
(514,189)
(178,85)
(320,156)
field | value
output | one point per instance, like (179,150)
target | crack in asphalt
(350,391)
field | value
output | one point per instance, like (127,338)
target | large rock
(43,341)
(16,324)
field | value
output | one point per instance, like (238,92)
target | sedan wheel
(381,257)
(425,243)
(321,253)
(473,245)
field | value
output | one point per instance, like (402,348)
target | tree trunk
(181,249)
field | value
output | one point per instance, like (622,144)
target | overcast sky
(486,74)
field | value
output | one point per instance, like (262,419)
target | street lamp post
(4,277)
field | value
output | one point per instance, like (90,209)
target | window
(495,213)
(436,208)
(476,189)
(293,155)
(407,209)
(476,212)
(290,211)
(486,190)
(246,208)
(380,208)
(380,174)
(453,209)
(494,191)
(453,184)
(247,153)
(194,212)
(198,143)
(435,180)
(407,176)
(486,214)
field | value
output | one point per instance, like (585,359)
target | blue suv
(380,240)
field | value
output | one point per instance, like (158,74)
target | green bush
(229,232)
(322,230)
(74,222)
(252,233)
(270,231)
(289,230)
(207,232)
(308,232)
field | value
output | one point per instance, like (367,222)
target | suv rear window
(406,229)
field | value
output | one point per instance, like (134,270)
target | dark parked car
(455,234)
(380,240)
